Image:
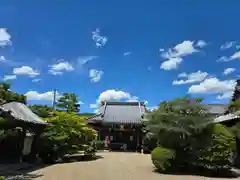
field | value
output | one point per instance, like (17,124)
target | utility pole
(54,98)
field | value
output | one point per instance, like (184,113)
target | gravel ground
(113,166)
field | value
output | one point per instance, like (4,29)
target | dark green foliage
(99,145)
(183,125)
(234,106)
(236,93)
(42,111)
(162,157)
(219,152)
(67,134)
(5,86)
(68,102)
(149,143)
(8,96)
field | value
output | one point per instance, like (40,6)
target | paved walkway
(113,166)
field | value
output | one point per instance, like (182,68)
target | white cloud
(161,49)
(60,68)
(226,95)
(182,75)
(227,45)
(201,43)
(46,96)
(96,111)
(171,63)
(191,78)
(93,106)
(2,59)
(114,95)
(229,71)
(81,60)
(26,70)
(8,62)
(5,38)
(183,49)
(99,40)
(223,59)
(214,86)
(9,77)
(127,53)
(235,56)
(152,108)
(174,55)
(95,75)
(133,99)
(80,102)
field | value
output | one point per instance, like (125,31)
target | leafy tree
(8,96)
(68,102)
(236,93)
(43,111)
(67,133)
(234,106)
(183,125)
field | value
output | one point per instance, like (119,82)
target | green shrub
(2,178)
(89,150)
(184,128)
(67,134)
(99,145)
(161,158)
(219,153)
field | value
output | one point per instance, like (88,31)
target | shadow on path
(25,171)
(223,173)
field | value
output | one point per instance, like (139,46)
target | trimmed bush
(161,158)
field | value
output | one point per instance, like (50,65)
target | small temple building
(120,124)
(23,129)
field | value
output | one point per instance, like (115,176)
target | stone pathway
(113,166)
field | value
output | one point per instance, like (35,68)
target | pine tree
(234,104)
(236,93)
(68,102)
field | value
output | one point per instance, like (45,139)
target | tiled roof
(216,109)
(226,117)
(97,117)
(21,112)
(120,112)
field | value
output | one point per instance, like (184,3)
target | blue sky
(125,50)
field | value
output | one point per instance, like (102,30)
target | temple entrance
(124,140)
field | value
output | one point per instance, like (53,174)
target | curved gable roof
(21,112)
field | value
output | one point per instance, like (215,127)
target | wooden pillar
(99,134)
